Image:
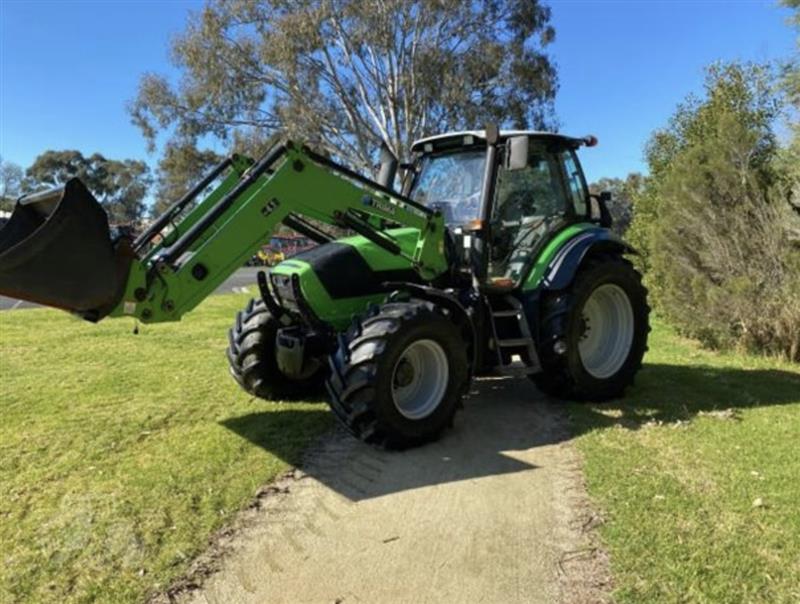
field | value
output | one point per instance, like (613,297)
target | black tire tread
(251,358)
(556,379)
(353,372)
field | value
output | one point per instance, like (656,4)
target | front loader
(492,258)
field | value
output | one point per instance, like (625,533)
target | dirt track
(495,512)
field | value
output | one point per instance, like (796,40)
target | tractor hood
(337,279)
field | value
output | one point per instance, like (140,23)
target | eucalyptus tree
(346,75)
(119,185)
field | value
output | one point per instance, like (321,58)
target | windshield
(452,182)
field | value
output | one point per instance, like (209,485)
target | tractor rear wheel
(253,363)
(594,333)
(398,375)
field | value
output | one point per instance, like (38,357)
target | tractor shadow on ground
(679,393)
(501,417)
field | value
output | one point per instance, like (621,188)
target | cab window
(532,191)
(575,184)
(452,183)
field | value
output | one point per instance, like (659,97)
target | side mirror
(598,209)
(517,153)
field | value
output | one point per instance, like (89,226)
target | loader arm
(178,262)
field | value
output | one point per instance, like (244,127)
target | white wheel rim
(419,379)
(608,331)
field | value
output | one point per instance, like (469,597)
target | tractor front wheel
(253,363)
(398,375)
(594,333)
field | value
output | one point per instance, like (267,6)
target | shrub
(715,220)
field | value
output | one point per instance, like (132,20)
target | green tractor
(492,258)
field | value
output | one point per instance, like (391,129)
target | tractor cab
(503,194)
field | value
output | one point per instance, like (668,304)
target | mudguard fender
(565,264)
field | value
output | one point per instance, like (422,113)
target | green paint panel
(339,312)
(379,259)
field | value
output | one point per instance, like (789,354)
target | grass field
(698,476)
(120,454)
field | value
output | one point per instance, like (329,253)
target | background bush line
(717,221)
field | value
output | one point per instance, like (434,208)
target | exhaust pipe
(56,250)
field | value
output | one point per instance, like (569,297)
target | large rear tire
(594,333)
(398,375)
(253,363)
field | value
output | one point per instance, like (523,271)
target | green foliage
(718,236)
(181,166)
(792,66)
(744,90)
(119,185)
(344,76)
(791,86)
(121,454)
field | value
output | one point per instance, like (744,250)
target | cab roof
(449,138)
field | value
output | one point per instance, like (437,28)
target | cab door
(528,204)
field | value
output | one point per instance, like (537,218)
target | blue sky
(67,68)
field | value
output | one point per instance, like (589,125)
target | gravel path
(494,512)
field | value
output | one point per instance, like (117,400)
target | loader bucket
(56,250)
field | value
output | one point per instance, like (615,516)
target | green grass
(120,454)
(677,477)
